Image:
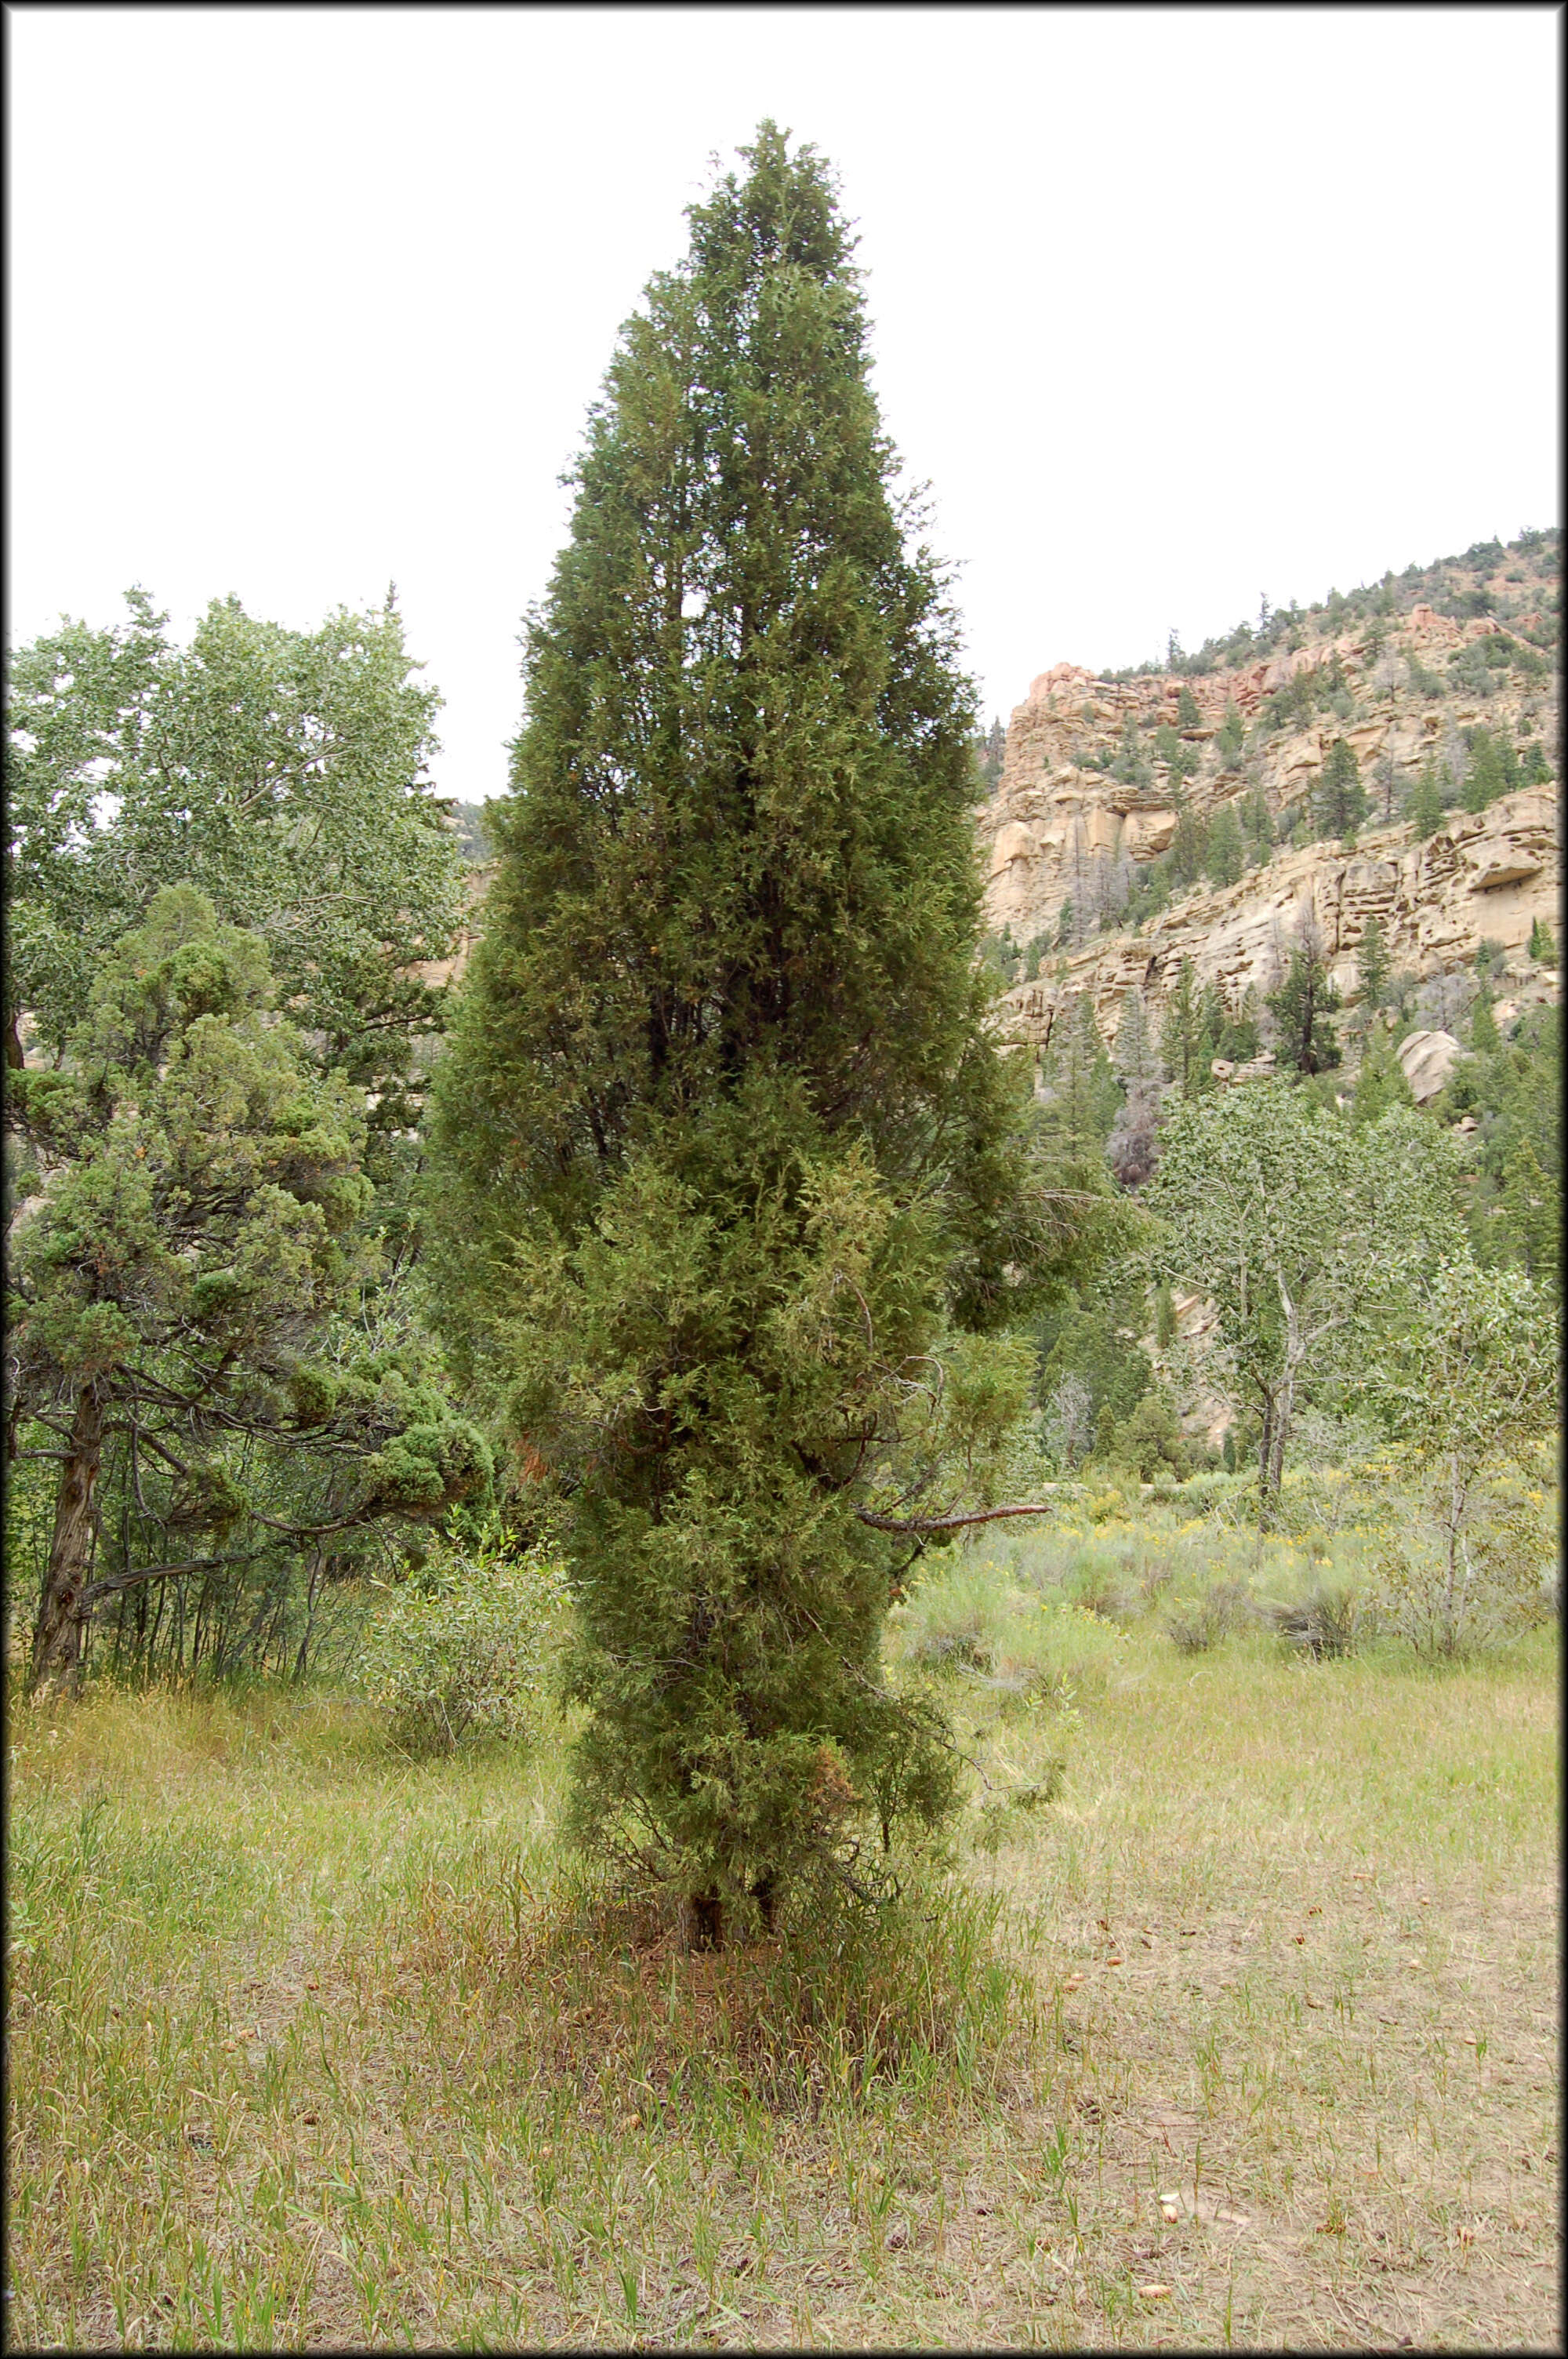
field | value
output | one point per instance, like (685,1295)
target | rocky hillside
(1118,792)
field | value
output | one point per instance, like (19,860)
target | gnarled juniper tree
(182,1293)
(732,1192)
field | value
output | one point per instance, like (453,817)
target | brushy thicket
(462,1651)
(1038,1616)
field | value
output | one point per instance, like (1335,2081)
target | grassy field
(1248,2038)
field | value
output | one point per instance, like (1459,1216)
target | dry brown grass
(310,2046)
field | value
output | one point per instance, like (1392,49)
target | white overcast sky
(1169,307)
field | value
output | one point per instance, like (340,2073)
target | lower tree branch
(956,1522)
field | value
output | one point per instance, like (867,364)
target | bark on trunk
(705,1920)
(57,1641)
(1265,1465)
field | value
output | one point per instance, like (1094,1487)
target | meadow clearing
(1230,2021)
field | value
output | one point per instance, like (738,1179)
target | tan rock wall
(1050,817)
(1481,877)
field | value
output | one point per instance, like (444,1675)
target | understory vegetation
(1227,2016)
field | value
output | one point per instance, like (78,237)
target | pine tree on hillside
(1303,1005)
(1339,800)
(1385,780)
(1257,820)
(1081,1099)
(1426,801)
(1183,1040)
(1135,1059)
(1189,842)
(1485,779)
(1231,736)
(733,1195)
(1225,857)
(1372,965)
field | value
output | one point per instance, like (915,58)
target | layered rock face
(1057,820)
(1483,877)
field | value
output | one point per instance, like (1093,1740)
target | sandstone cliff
(1059,822)
(1481,877)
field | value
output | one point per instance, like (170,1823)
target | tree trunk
(57,1641)
(1281,1434)
(705,1920)
(14,1058)
(1265,1467)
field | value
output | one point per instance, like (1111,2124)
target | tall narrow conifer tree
(733,1195)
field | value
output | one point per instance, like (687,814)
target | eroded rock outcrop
(1482,878)
(1059,825)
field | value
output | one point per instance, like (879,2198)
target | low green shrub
(459,1651)
(1194,1624)
(1452,1587)
(1328,1625)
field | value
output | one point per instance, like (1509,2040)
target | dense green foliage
(281,772)
(729,1179)
(1295,1224)
(182,1329)
(1301,1005)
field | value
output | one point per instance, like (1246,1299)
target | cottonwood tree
(1464,1384)
(1295,1224)
(281,772)
(732,1197)
(180,1283)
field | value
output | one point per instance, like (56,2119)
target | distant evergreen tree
(1372,964)
(1426,801)
(1231,736)
(1380,1083)
(1187,713)
(1131,766)
(1081,1098)
(1339,800)
(1386,783)
(1530,1215)
(989,751)
(1485,777)
(1507,761)
(1189,843)
(1213,1019)
(1182,1037)
(1303,1005)
(1258,821)
(1226,855)
(1542,944)
(1088,1341)
(1484,1035)
(1239,1037)
(1136,1058)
